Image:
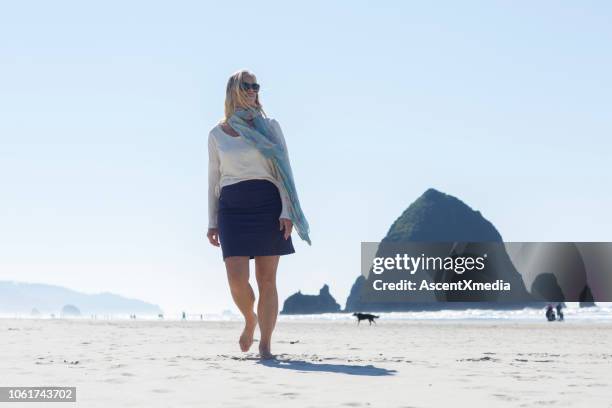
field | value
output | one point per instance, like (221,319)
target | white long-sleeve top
(232,159)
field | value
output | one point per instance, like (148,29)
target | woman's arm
(214,175)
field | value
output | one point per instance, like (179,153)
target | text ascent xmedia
(464,285)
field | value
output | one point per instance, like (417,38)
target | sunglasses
(245,86)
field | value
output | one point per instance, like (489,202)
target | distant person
(559,311)
(184,316)
(252,204)
(550,313)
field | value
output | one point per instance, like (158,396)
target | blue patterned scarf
(266,141)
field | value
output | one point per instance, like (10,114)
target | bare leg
(244,297)
(267,307)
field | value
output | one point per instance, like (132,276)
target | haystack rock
(436,217)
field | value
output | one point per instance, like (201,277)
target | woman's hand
(213,236)
(287,224)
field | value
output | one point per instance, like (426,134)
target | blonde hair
(235,97)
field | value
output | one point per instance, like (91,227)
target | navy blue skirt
(248,220)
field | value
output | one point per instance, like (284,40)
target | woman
(252,204)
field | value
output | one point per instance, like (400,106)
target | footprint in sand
(114,381)
(505,397)
(160,390)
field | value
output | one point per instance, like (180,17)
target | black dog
(364,316)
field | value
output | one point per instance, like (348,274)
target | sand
(321,363)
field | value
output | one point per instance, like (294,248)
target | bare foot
(265,354)
(246,338)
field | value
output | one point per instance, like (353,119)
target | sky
(106,108)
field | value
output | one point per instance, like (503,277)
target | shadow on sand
(301,365)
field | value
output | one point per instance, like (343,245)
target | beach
(320,363)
